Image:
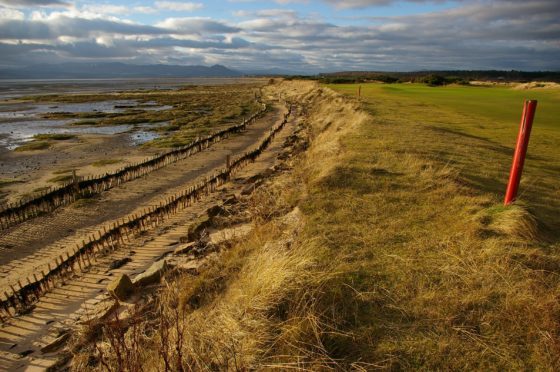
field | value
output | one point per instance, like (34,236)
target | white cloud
(178,6)
(105,9)
(344,4)
(196,25)
(144,9)
(506,35)
(7,13)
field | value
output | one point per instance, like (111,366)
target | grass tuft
(104,162)
(33,146)
(514,221)
(54,136)
(63,178)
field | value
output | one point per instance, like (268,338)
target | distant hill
(113,70)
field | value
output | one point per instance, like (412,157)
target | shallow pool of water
(143,136)
(18,133)
(20,122)
(27,110)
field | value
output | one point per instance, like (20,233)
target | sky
(300,36)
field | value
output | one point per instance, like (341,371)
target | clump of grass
(8,181)
(86,122)
(64,178)
(84,202)
(54,136)
(41,189)
(33,146)
(514,221)
(104,162)
(63,171)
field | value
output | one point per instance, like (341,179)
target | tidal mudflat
(50,128)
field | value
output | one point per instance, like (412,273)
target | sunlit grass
(405,259)
(441,275)
(475,129)
(63,178)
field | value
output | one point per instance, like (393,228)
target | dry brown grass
(394,263)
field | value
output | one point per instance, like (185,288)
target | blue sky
(227,9)
(304,36)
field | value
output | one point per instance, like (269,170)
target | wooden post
(75,180)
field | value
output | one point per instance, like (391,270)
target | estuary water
(20,121)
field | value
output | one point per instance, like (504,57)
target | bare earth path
(30,246)
(62,306)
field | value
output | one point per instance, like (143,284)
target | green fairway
(474,129)
(492,105)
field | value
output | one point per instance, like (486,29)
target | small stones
(25,353)
(152,275)
(184,248)
(215,211)
(121,287)
(56,344)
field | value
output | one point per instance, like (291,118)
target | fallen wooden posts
(113,237)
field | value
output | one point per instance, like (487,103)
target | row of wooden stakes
(121,232)
(47,202)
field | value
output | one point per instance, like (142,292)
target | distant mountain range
(113,70)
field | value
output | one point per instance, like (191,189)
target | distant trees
(437,78)
(434,80)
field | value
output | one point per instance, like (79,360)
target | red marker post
(529,108)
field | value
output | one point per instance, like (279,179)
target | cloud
(498,34)
(478,34)
(197,25)
(34,3)
(346,4)
(8,13)
(105,9)
(178,6)
(61,25)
